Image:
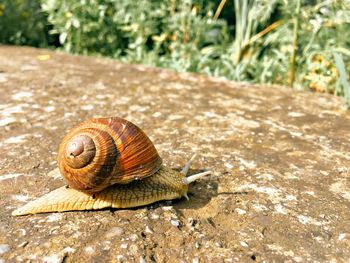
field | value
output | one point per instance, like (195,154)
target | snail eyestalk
(192,178)
(184,170)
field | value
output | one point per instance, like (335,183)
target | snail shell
(105,151)
(110,162)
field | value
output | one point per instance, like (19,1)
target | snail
(110,163)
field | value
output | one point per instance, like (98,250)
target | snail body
(110,162)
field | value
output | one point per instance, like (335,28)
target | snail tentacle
(192,178)
(184,170)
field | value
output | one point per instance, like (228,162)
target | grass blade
(339,63)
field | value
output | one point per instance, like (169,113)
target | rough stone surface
(280,161)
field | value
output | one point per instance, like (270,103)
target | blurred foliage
(22,22)
(244,40)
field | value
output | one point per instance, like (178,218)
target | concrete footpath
(280,160)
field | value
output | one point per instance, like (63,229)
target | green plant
(23,23)
(171,35)
(345,91)
(326,31)
(296,18)
(261,41)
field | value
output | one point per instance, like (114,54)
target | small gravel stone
(106,245)
(155,216)
(115,231)
(68,250)
(133,249)
(120,258)
(167,208)
(243,244)
(133,237)
(240,211)
(148,230)
(89,250)
(4,248)
(175,223)
(23,244)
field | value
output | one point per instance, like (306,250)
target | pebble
(240,211)
(167,208)
(157,114)
(296,114)
(120,258)
(155,216)
(4,248)
(175,117)
(228,166)
(7,121)
(89,250)
(115,231)
(23,244)
(49,108)
(341,236)
(22,95)
(133,249)
(51,259)
(175,223)
(148,230)
(243,244)
(106,245)
(133,237)
(54,218)
(68,250)
(9,176)
(218,244)
(3,79)
(87,107)
(16,139)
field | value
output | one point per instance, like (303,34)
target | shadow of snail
(110,163)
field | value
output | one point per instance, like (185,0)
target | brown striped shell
(105,151)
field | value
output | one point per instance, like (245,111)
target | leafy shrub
(22,22)
(168,34)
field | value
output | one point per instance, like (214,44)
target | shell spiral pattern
(105,151)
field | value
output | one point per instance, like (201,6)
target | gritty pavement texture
(280,160)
